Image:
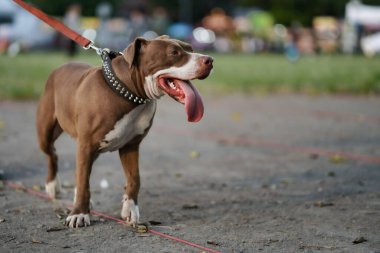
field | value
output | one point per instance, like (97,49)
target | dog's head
(167,66)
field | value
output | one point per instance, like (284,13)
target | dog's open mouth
(184,92)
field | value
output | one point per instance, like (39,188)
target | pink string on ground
(17,186)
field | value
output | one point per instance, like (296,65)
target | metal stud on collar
(115,83)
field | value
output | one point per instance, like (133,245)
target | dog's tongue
(193,101)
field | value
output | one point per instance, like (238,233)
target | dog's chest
(127,128)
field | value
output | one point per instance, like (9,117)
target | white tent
(360,14)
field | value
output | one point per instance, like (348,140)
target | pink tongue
(193,102)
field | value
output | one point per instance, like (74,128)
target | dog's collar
(115,83)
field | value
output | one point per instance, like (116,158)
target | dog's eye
(175,52)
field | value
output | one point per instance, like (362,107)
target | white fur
(78,220)
(187,71)
(53,187)
(131,125)
(151,88)
(75,196)
(130,211)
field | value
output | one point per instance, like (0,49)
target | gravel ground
(257,174)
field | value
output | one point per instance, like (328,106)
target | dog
(78,100)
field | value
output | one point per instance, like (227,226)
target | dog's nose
(207,60)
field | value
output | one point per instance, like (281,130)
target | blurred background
(290,45)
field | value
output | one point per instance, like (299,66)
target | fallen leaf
(2,124)
(36,241)
(194,154)
(236,116)
(213,243)
(141,228)
(37,187)
(336,158)
(358,240)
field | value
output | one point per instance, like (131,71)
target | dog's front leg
(129,157)
(80,214)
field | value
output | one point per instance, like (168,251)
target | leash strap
(59,26)
(114,82)
(109,75)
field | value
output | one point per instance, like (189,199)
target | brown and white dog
(78,101)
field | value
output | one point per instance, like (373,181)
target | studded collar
(115,83)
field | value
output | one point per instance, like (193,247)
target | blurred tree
(284,11)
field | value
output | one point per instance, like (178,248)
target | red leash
(42,195)
(59,26)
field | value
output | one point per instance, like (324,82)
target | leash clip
(91,45)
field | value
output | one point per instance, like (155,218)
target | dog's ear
(131,53)
(163,37)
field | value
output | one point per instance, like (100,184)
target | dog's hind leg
(48,130)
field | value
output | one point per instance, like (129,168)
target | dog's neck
(121,67)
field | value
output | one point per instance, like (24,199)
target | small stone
(190,206)
(104,183)
(358,240)
(331,174)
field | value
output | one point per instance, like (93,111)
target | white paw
(53,188)
(78,220)
(130,211)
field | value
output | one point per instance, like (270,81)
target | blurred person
(72,20)
(138,22)
(160,20)
(218,21)
(222,24)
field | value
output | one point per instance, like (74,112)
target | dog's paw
(78,220)
(53,188)
(130,211)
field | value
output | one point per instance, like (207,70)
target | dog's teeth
(171,84)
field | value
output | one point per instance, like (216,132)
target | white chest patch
(131,125)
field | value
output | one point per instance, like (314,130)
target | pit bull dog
(111,108)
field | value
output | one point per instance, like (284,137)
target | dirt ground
(257,174)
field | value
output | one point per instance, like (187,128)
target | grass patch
(311,74)
(24,76)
